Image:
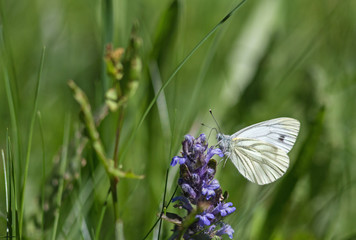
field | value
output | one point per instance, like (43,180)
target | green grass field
(63,149)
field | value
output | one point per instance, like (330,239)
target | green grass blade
(62,169)
(11,98)
(7,199)
(12,184)
(190,54)
(8,169)
(43,169)
(23,188)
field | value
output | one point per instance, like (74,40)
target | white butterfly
(259,152)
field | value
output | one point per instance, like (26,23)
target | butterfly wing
(258,161)
(280,132)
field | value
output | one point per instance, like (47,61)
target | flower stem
(118,132)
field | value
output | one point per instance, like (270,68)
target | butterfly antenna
(211,129)
(217,124)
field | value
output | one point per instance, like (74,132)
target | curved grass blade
(22,193)
(11,98)
(190,54)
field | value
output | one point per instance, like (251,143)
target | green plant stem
(94,136)
(118,132)
(115,180)
(115,201)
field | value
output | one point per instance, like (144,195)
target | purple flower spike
(201,191)
(226,229)
(205,218)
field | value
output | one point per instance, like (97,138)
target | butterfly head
(219,137)
(223,141)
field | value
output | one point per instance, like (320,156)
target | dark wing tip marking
(281,138)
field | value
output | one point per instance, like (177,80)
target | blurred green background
(270,59)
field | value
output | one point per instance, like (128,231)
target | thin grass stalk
(43,169)
(27,163)
(190,54)
(165,187)
(62,169)
(159,219)
(204,70)
(13,187)
(8,169)
(163,204)
(7,199)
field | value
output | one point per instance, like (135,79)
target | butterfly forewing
(258,161)
(280,132)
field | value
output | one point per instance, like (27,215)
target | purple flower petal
(224,209)
(177,159)
(189,139)
(211,228)
(202,137)
(213,151)
(226,229)
(208,188)
(205,219)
